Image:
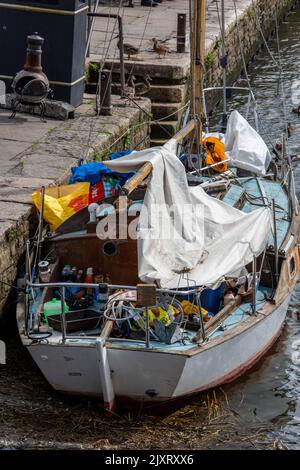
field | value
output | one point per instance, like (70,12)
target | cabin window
(292,265)
(109,249)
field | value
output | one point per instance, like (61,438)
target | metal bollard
(181,32)
(105,107)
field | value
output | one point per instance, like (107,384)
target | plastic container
(212,300)
(228,297)
(53,307)
(89,279)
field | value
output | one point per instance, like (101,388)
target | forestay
(183,229)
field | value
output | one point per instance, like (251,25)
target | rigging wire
(140,44)
(102,65)
(256,111)
(103,60)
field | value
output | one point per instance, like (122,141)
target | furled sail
(182,229)
(245,147)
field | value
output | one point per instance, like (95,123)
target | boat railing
(251,97)
(87,285)
(32,324)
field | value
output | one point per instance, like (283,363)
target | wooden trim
(222,314)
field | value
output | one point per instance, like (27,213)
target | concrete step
(164,130)
(171,68)
(163,110)
(168,93)
(157,94)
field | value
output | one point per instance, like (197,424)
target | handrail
(63,285)
(227,88)
(88,285)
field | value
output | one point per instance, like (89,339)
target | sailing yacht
(198,295)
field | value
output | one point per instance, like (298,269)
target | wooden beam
(146,169)
(198,65)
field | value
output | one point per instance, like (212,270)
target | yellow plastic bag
(61,202)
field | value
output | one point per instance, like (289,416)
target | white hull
(159,375)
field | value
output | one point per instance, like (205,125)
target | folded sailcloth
(183,230)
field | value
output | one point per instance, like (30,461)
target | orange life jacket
(215,153)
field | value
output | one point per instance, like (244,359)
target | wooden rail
(146,169)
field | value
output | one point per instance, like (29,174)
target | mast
(224,67)
(197,65)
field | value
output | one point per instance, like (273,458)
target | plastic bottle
(107,279)
(66,273)
(53,307)
(74,274)
(228,297)
(103,296)
(89,279)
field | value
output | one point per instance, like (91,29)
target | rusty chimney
(34,53)
(31,86)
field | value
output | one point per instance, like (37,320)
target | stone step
(171,68)
(168,93)
(164,110)
(157,94)
(164,130)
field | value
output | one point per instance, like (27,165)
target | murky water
(272,392)
(260,409)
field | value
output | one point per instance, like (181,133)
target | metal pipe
(89,26)
(88,285)
(181,32)
(254,286)
(27,279)
(275,242)
(224,67)
(147,339)
(104,107)
(211,166)
(40,234)
(122,66)
(62,315)
(238,88)
(201,318)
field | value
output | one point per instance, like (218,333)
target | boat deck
(240,314)
(248,194)
(255,193)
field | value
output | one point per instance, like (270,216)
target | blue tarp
(92,172)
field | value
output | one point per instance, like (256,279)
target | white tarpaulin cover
(245,147)
(212,238)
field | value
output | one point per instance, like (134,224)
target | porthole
(109,249)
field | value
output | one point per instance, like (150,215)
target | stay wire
(102,65)
(140,44)
(256,110)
